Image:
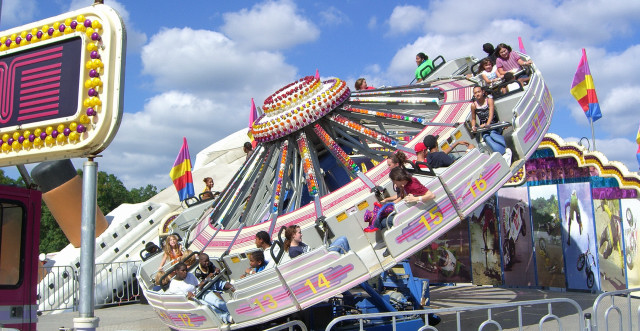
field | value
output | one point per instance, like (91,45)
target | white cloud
(616,149)
(272,25)
(333,16)
(373,23)
(214,66)
(620,115)
(204,94)
(135,38)
(149,140)
(406,18)
(575,22)
(17,12)
(402,67)
(586,22)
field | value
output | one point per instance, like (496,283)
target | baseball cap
(419,147)
(430,141)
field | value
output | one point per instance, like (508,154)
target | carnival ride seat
(191,201)
(350,224)
(237,263)
(435,66)
(202,197)
(150,250)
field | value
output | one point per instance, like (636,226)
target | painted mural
(610,243)
(485,236)
(547,235)
(631,212)
(569,218)
(517,237)
(446,260)
(578,236)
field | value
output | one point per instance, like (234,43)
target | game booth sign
(61,82)
(567,219)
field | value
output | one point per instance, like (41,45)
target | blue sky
(193,66)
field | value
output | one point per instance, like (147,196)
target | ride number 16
(481,184)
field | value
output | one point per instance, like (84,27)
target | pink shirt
(510,63)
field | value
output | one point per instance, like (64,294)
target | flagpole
(593,135)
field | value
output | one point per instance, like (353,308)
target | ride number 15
(435,215)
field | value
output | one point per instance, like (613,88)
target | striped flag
(584,91)
(181,173)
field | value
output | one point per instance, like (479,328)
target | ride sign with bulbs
(61,86)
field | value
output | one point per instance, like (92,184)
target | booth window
(12,216)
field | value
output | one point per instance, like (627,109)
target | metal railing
(499,316)
(58,289)
(620,305)
(289,326)
(115,284)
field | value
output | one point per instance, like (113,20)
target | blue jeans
(340,245)
(495,140)
(218,305)
(381,223)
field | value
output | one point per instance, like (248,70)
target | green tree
(5,180)
(111,193)
(143,194)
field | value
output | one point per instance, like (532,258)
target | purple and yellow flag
(253,115)
(181,173)
(584,91)
(638,152)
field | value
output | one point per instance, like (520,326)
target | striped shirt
(509,64)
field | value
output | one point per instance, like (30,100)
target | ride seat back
(238,263)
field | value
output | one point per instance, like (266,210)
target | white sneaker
(507,156)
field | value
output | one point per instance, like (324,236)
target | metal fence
(622,312)
(492,317)
(115,284)
(58,289)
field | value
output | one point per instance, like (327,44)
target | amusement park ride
(319,163)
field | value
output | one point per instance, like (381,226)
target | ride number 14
(272,304)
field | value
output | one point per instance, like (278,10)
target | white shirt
(267,255)
(183,287)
